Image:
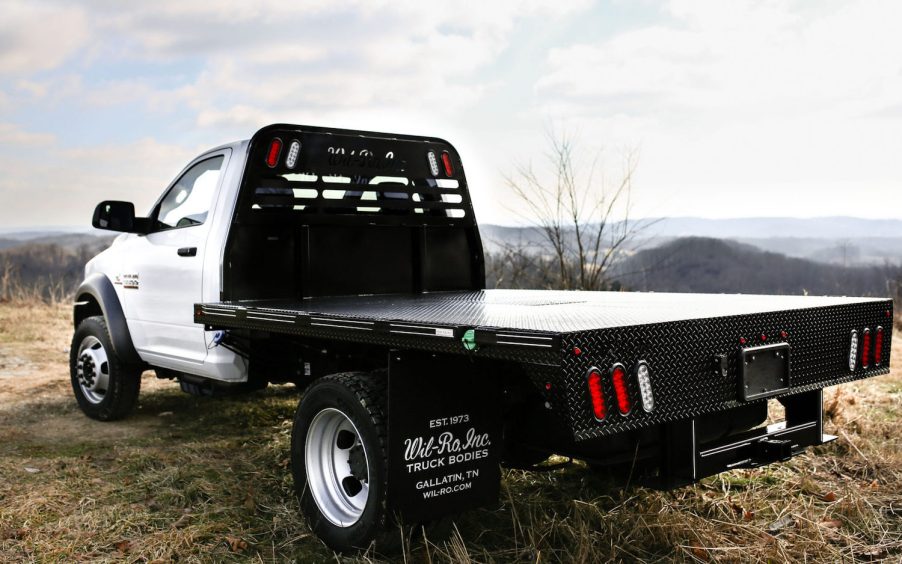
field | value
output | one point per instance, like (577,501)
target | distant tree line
(699,264)
(44,271)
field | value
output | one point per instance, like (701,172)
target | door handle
(188,252)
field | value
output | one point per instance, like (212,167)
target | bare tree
(583,217)
(510,267)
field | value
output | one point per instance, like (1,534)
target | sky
(733,108)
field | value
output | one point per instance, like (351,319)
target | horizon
(87,227)
(840,241)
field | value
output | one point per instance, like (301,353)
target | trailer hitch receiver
(687,458)
(772,450)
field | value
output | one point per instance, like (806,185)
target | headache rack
(338,212)
(341,177)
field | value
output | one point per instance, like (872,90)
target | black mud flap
(444,436)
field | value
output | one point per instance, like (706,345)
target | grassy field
(189,479)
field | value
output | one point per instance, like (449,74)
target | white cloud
(35,89)
(61,186)
(281,57)
(240,114)
(285,57)
(15,136)
(740,100)
(722,96)
(740,55)
(37,37)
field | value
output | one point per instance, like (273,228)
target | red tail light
(596,394)
(272,157)
(878,347)
(618,378)
(446,161)
(865,347)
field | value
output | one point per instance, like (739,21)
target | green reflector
(469,340)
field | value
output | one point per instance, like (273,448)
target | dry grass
(13,291)
(198,480)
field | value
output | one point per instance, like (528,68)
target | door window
(188,202)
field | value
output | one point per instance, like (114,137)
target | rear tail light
(596,394)
(294,150)
(272,157)
(865,347)
(853,351)
(621,391)
(643,376)
(446,161)
(433,163)
(878,347)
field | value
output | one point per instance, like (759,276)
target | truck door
(166,268)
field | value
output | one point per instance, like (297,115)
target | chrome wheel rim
(93,370)
(337,467)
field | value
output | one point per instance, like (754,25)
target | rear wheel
(105,388)
(338,461)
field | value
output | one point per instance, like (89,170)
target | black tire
(361,398)
(124,381)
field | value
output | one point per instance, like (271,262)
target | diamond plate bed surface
(542,310)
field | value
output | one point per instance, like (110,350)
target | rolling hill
(844,241)
(702,264)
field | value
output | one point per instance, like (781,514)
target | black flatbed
(533,319)
(680,334)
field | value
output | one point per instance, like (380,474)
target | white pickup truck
(350,264)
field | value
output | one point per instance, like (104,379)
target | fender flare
(99,287)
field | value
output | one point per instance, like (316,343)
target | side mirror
(118,216)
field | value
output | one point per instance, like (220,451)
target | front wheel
(105,388)
(338,461)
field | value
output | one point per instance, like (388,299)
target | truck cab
(169,261)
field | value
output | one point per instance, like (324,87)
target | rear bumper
(684,459)
(695,365)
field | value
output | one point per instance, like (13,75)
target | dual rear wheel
(339,463)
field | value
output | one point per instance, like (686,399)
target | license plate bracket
(764,371)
